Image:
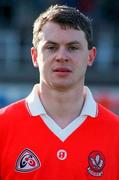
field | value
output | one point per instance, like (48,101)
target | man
(59,132)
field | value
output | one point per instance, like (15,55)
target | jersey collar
(36,108)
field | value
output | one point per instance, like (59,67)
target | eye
(51,47)
(73,48)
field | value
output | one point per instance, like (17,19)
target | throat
(63,123)
(62,107)
(64,116)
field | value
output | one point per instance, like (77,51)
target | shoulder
(13,110)
(12,107)
(107,116)
(106,112)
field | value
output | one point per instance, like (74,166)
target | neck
(62,106)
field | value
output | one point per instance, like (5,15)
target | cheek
(81,64)
(80,56)
(44,69)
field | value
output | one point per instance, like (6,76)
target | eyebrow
(74,42)
(51,42)
(69,43)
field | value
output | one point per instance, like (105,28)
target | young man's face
(62,56)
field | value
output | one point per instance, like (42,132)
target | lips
(61,69)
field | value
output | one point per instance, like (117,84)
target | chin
(61,87)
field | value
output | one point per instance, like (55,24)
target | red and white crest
(27,161)
(96,163)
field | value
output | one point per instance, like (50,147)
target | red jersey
(29,150)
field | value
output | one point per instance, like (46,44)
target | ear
(92,56)
(34,56)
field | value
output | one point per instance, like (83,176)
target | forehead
(54,32)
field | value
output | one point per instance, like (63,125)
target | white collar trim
(36,108)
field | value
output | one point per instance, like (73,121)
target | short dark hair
(66,17)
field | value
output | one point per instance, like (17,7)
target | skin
(62,57)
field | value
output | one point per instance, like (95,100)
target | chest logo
(27,161)
(96,163)
(61,154)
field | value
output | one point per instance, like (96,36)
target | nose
(62,55)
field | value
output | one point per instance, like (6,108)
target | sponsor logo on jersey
(96,163)
(27,161)
(61,154)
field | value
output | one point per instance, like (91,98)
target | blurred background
(17,75)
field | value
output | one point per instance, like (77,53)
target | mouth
(62,69)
